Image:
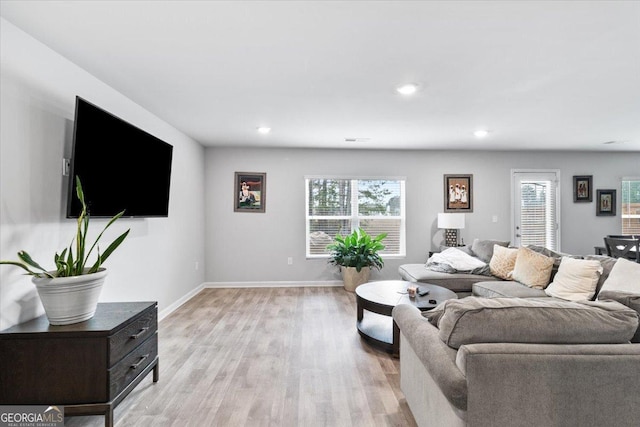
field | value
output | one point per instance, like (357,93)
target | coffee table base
(379,298)
(380,333)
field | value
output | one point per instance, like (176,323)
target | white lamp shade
(451,220)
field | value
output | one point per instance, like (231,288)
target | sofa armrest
(547,384)
(435,355)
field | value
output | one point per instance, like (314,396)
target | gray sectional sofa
(487,285)
(510,355)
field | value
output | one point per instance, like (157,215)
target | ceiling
(538,75)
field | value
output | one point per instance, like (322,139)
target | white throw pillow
(624,276)
(576,279)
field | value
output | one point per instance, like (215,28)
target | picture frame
(250,192)
(458,193)
(606,202)
(583,188)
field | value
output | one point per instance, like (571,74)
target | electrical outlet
(66,166)
(290,261)
(197,265)
(494,218)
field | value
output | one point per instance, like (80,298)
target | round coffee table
(379,299)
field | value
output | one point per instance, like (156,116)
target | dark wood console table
(87,367)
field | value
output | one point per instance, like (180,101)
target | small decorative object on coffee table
(379,299)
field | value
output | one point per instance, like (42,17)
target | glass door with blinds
(536,209)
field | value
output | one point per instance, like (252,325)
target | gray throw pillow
(483,249)
(607,264)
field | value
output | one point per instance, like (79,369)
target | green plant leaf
(26,258)
(66,263)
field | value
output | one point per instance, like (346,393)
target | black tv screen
(121,167)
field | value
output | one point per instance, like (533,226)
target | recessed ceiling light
(407,89)
(482,133)
(264,130)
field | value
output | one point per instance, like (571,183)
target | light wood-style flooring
(265,357)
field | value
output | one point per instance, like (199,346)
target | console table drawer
(132,335)
(128,368)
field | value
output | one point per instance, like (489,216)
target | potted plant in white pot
(70,293)
(356,254)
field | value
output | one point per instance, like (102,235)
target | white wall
(37,95)
(247,247)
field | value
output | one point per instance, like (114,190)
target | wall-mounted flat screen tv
(121,167)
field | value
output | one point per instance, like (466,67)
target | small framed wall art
(458,193)
(583,188)
(606,203)
(250,193)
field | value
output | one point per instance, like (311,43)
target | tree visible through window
(339,206)
(631,206)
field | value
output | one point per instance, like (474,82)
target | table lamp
(451,222)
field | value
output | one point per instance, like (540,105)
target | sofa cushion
(629,299)
(457,282)
(532,269)
(483,249)
(576,279)
(624,276)
(502,289)
(503,261)
(531,320)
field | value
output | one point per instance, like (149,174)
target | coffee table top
(393,292)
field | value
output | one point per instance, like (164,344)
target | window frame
(624,216)
(354,218)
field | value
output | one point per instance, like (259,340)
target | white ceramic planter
(351,278)
(68,300)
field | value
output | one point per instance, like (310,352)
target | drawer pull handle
(142,359)
(142,331)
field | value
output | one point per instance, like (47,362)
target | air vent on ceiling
(357,139)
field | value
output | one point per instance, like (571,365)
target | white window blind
(538,215)
(631,206)
(339,206)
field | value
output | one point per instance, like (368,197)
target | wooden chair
(623,247)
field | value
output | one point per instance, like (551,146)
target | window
(631,206)
(536,209)
(339,206)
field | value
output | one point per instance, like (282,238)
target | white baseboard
(274,284)
(173,307)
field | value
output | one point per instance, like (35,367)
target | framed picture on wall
(583,188)
(458,193)
(250,193)
(606,203)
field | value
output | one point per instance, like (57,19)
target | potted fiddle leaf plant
(70,293)
(356,254)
